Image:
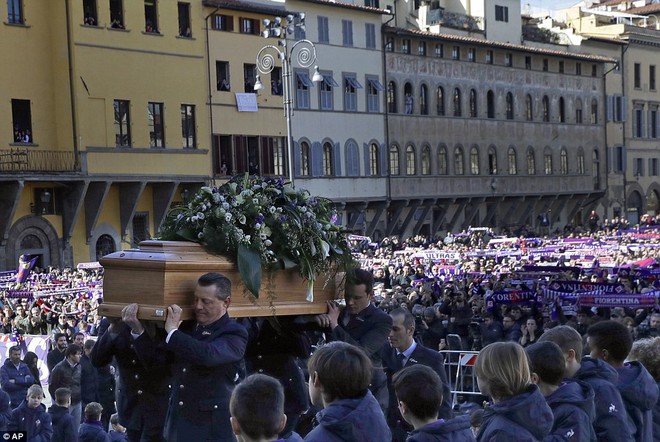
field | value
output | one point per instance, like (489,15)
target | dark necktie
(401,358)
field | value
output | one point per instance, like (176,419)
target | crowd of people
(567,330)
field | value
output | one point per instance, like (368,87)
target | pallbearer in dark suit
(142,388)
(206,360)
(361,324)
(401,352)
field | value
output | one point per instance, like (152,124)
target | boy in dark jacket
(92,429)
(611,341)
(118,432)
(63,428)
(572,402)
(257,410)
(611,422)
(31,417)
(419,393)
(339,378)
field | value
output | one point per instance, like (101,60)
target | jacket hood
(637,386)
(574,392)
(595,368)
(351,419)
(453,430)
(528,410)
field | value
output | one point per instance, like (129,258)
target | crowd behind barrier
(465,290)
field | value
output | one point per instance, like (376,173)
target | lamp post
(305,56)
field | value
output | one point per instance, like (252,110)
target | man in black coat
(401,352)
(206,357)
(361,324)
(142,387)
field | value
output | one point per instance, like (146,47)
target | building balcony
(19,160)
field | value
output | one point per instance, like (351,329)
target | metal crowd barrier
(461,374)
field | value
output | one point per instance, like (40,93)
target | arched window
(563,161)
(547,161)
(395,164)
(352,159)
(459,162)
(473,103)
(104,246)
(410,160)
(512,161)
(305,159)
(474,160)
(440,101)
(492,160)
(328,163)
(391,97)
(426,160)
(594,111)
(529,112)
(578,111)
(442,160)
(31,242)
(374,159)
(457,102)
(409,99)
(595,169)
(509,106)
(580,161)
(546,108)
(423,100)
(490,98)
(562,110)
(531,162)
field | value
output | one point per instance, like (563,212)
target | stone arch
(100,230)
(43,232)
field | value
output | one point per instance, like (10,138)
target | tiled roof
(497,44)
(238,5)
(349,6)
(609,3)
(648,9)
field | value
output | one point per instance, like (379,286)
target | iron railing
(31,160)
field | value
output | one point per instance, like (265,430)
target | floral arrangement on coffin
(264,223)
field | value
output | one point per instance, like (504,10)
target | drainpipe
(210,87)
(386,113)
(72,94)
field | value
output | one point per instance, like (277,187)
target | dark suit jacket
(208,363)
(142,387)
(424,356)
(368,330)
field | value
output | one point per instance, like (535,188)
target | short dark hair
(57,336)
(114,419)
(408,318)
(547,360)
(567,338)
(420,388)
(360,277)
(343,370)
(257,404)
(222,284)
(72,349)
(15,348)
(79,334)
(62,394)
(612,336)
(89,344)
(93,411)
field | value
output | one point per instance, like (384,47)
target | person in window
(117,24)
(409,103)
(89,19)
(224,85)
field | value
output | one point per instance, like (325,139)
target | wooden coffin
(160,273)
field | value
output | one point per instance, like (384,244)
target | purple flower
(334,219)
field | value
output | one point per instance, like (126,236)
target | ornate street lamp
(305,56)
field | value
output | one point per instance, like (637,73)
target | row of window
(423,106)
(156,123)
(404,46)
(638,167)
(637,77)
(409,164)
(645,120)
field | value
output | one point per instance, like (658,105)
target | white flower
(255,201)
(257,226)
(193,218)
(207,189)
(225,205)
(268,243)
(200,235)
(247,238)
(272,209)
(200,215)
(227,217)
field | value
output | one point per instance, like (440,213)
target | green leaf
(288,263)
(249,266)
(188,233)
